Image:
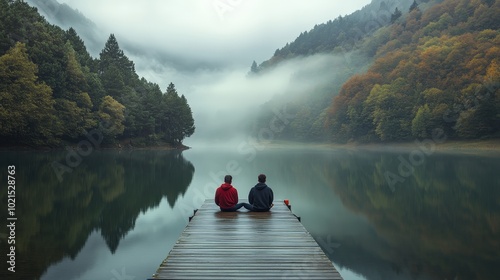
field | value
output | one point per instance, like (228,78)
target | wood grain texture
(246,245)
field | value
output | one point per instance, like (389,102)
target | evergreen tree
(397,14)
(113,57)
(151,98)
(414,5)
(186,119)
(75,79)
(176,118)
(4,35)
(113,82)
(82,55)
(254,68)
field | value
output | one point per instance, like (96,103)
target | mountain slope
(432,69)
(66,17)
(347,46)
(437,75)
(342,34)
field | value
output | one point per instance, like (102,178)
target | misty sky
(206,47)
(215,33)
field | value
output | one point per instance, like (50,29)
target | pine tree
(176,119)
(186,118)
(112,58)
(397,14)
(414,5)
(82,54)
(254,68)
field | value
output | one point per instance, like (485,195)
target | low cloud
(225,102)
(191,34)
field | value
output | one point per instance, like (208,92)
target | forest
(52,91)
(425,67)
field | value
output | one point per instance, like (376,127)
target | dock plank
(246,245)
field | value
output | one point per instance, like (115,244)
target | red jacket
(226,196)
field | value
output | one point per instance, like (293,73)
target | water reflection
(105,193)
(442,222)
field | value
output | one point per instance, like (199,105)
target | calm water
(116,215)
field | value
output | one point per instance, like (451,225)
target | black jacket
(261,197)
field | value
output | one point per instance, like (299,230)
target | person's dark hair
(262,178)
(228,179)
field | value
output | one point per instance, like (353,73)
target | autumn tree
(26,105)
(111,113)
(438,71)
(348,117)
(391,110)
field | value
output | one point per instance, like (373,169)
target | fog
(206,48)
(209,33)
(225,102)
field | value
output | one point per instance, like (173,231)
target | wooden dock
(246,245)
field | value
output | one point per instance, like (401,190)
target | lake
(391,214)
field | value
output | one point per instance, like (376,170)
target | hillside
(404,66)
(351,41)
(53,92)
(437,74)
(341,34)
(66,17)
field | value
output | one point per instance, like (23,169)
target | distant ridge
(342,33)
(64,16)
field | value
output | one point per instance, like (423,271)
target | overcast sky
(216,33)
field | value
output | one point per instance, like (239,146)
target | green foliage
(60,91)
(111,113)
(391,110)
(176,121)
(26,105)
(450,67)
(419,123)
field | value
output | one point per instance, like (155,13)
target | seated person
(261,196)
(226,196)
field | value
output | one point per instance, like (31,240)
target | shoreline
(105,148)
(455,146)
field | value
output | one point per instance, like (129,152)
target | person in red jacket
(226,196)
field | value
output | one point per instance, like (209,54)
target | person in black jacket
(261,196)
